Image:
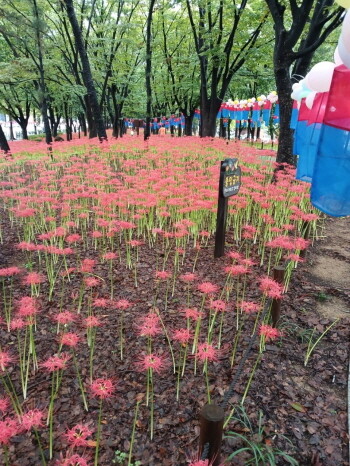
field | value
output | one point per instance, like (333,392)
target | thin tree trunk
(12,136)
(24,129)
(4,146)
(87,75)
(284,89)
(44,105)
(147,129)
(189,124)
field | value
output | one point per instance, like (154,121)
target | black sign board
(229,184)
(231,177)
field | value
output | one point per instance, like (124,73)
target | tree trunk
(42,84)
(24,129)
(209,111)
(87,75)
(82,122)
(12,136)
(147,129)
(90,119)
(189,124)
(4,146)
(284,90)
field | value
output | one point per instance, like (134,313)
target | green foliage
(256,444)
(322,297)
(121,458)
(36,137)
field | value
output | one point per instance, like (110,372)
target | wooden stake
(211,427)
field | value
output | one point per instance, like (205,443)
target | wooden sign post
(229,184)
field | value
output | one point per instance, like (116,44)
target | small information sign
(229,184)
(231,173)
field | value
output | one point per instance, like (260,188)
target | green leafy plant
(322,297)
(256,443)
(313,343)
(121,458)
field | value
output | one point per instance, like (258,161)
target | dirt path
(309,402)
(329,269)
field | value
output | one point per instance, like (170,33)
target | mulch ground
(305,404)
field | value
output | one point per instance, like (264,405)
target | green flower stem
(251,378)
(121,335)
(92,350)
(98,437)
(152,403)
(133,433)
(168,339)
(80,381)
(43,460)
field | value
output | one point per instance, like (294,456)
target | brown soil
(306,404)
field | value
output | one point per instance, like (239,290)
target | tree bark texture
(87,75)
(4,146)
(147,129)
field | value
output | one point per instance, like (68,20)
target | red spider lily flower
(204,234)
(56,363)
(77,435)
(270,333)
(122,304)
(249,307)
(206,352)
(188,277)
(9,271)
(25,246)
(96,234)
(294,258)
(101,302)
(283,242)
(218,305)
(200,463)
(74,238)
(33,278)
(271,288)
(87,265)
(110,256)
(102,388)
(247,262)
(8,429)
(234,255)
(92,321)
(4,404)
(152,362)
(68,271)
(183,335)
(135,242)
(301,243)
(5,360)
(309,217)
(149,326)
(236,270)
(72,460)
(91,281)
(193,314)
(162,275)
(27,307)
(17,324)
(288,227)
(30,419)
(207,288)
(69,339)
(65,317)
